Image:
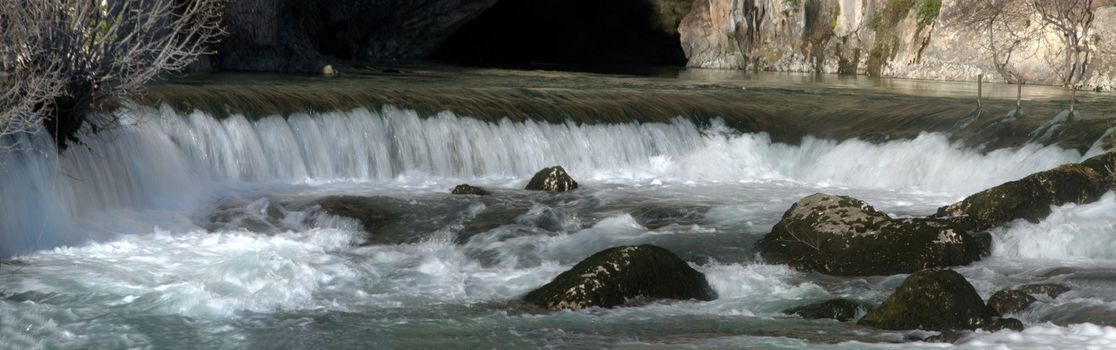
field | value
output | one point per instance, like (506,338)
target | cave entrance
(595,32)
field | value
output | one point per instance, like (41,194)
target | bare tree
(1006,25)
(1074,19)
(61,60)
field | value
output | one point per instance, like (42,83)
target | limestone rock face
(845,236)
(1030,198)
(613,276)
(935,300)
(467,189)
(1009,301)
(917,39)
(553,179)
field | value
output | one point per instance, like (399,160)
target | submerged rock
(845,236)
(1031,197)
(613,276)
(467,189)
(553,179)
(1009,301)
(1052,290)
(391,220)
(837,309)
(936,300)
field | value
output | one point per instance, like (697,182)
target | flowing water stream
(183,230)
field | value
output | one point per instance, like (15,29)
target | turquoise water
(185,231)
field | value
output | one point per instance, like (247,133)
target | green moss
(836,15)
(928,11)
(931,300)
(1031,197)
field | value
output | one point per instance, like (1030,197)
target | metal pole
(1019,96)
(980,89)
(1073,98)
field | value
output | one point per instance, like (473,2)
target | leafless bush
(60,60)
(1073,19)
(1010,26)
(1006,25)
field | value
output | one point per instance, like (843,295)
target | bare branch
(60,60)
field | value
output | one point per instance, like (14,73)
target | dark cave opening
(577,32)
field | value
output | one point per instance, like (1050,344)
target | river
(192,228)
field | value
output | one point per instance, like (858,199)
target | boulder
(614,276)
(1031,197)
(553,179)
(1010,301)
(467,189)
(845,236)
(837,309)
(1052,290)
(935,300)
(392,220)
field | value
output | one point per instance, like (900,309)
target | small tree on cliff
(1007,28)
(61,60)
(1073,19)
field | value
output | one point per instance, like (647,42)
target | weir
(785,106)
(160,159)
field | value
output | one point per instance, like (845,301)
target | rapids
(114,244)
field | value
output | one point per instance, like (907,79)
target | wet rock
(553,179)
(957,336)
(1031,197)
(951,336)
(1010,301)
(1005,323)
(654,217)
(487,220)
(845,236)
(614,276)
(390,220)
(837,309)
(263,215)
(933,300)
(467,189)
(1053,290)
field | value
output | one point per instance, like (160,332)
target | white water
(168,161)
(159,280)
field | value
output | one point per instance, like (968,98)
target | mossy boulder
(1052,290)
(1031,197)
(1010,301)
(841,235)
(614,276)
(838,309)
(468,189)
(553,179)
(936,300)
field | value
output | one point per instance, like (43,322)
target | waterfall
(162,159)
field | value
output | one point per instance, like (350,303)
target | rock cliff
(922,39)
